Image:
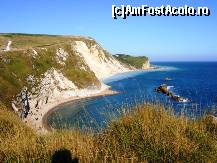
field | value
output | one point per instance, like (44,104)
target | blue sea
(195,81)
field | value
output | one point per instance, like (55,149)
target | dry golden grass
(20,143)
(153,134)
(148,134)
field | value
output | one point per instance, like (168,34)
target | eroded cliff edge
(38,70)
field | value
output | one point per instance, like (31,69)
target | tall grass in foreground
(150,133)
(147,134)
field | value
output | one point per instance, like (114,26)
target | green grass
(18,64)
(72,70)
(149,133)
(134,61)
(13,74)
(23,41)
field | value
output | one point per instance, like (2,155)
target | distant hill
(139,62)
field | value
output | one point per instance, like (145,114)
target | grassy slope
(148,134)
(17,64)
(136,62)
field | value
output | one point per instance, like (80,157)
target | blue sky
(160,38)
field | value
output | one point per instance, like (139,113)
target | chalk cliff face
(40,69)
(100,62)
(146,65)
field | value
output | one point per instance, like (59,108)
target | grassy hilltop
(24,41)
(134,61)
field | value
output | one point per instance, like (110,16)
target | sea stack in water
(164,89)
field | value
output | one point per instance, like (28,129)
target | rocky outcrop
(61,56)
(21,104)
(55,85)
(164,89)
(8,47)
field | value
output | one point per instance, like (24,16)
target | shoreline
(119,76)
(38,120)
(107,92)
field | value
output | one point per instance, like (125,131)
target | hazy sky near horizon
(160,38)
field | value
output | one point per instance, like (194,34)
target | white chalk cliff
(100,62)
(53,85)
(146,65)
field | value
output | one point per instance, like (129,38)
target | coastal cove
(43,124)
(192,80)
(56,106)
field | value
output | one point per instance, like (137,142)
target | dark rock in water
(164,89)
(179,99)
(170,94)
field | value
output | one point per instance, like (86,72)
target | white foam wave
(170,87)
